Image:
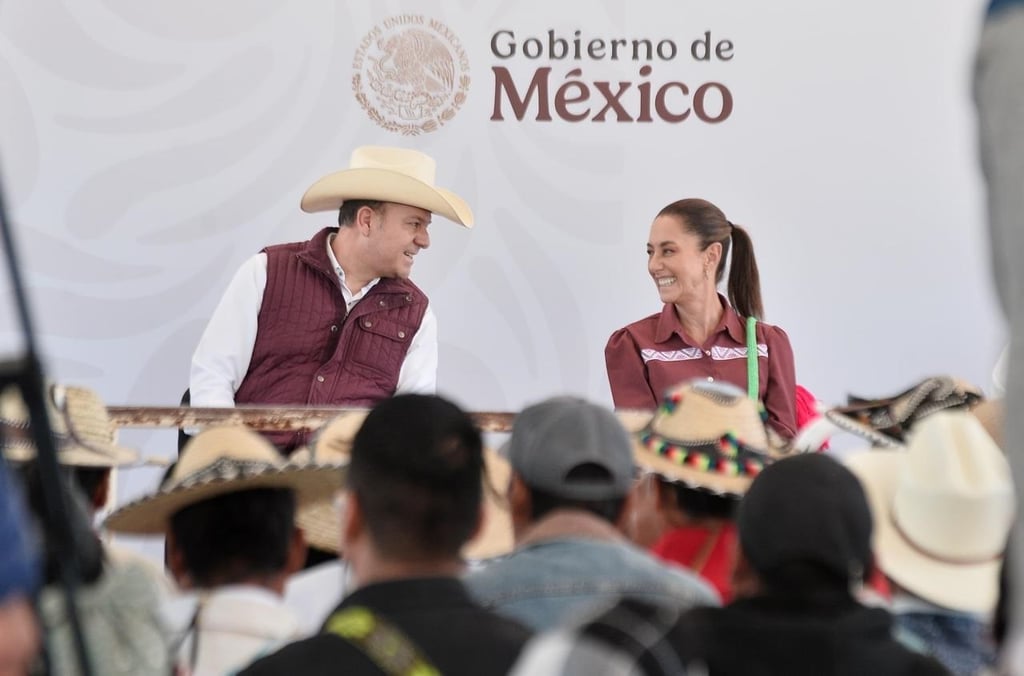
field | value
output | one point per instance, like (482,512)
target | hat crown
(412,163)
(85,416)
(954,497)
(226,450)
(698,411)
(333,442)
(551,438)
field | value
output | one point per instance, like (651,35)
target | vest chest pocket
(378,347)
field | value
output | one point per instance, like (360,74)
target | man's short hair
(416,470)
(542,502)
(236,537)
(349,208)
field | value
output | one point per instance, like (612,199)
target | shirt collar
(668,324)
(341,273)
(569,524)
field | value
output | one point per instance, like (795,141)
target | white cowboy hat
(223,460)
(942,509)
(333,443)
(709,436)
(84,434)
(387,174)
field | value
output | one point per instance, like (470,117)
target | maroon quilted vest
(308,351)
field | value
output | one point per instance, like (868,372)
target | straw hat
(706,435)
(84,434)
(387,174)
(333,443)
(223,460)
(942,510)
(885,422)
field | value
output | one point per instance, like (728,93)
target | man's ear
(296,552)
(746,583)
(353,524)
(101,496)
(520,505)
(176,563)
(364,220)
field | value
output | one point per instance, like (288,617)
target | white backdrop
(148,148)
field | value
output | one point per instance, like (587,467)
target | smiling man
(335,320)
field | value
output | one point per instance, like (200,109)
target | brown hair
(349,208)
(709,224)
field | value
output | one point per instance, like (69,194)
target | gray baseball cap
(552,438)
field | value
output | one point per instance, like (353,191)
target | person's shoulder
(323,653)
(771,332)
(630,332)
(642,323)
(283,247)
(503,629)
(684,584)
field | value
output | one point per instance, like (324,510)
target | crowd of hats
(938,507)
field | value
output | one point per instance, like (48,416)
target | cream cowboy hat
(333,443)
(218,461)
(387,174)
(942,508)
(84,434)
(708,436)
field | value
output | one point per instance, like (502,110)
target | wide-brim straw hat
(84,434)
(223,460)
(388,174)
(886,422)
(707,436)
(942,508)
(320,521)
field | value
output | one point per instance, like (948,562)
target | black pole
(27,374)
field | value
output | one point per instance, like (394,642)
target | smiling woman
(699,333)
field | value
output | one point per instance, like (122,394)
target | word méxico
(575,100)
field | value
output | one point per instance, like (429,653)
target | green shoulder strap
(385,645)
(753,384)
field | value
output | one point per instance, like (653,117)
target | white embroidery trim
(717,353)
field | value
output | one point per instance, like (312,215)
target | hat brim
(150,515)
(331,191)
(321,525)
(78,456)
(719,484)
(971,588)
(857,428)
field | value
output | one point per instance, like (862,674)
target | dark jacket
(765,636)
(450,630)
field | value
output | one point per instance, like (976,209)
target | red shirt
(648,357)
(711,554)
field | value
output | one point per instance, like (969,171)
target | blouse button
(710,379)
(707,353)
